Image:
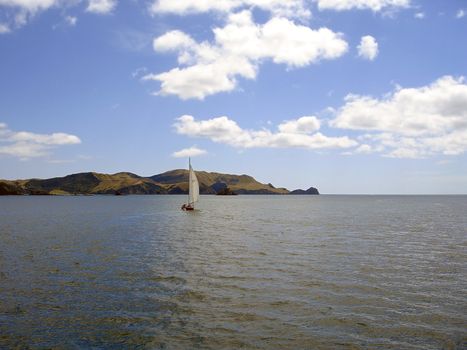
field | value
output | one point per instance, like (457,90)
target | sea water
(242,272)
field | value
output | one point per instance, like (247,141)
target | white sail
(193,195)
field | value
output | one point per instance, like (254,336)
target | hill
(211,183)
(170,182)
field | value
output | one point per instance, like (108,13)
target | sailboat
(193,189)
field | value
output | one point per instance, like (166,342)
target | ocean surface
(242,272)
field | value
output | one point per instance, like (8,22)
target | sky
(349,96)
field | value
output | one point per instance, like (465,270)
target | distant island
(170,182)
(311,190)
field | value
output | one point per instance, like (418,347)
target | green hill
(170,182)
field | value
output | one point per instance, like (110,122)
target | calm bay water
(252,272)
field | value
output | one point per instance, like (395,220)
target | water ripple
(250,272)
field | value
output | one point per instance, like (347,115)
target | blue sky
(337,94)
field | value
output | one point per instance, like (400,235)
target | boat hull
(186,207)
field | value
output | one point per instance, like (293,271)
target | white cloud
(4,28)
(368,48)
(201,80)
(433,109)
(296,133)
(30,6)
(373,5)
(71,20)
(303,125)
(288,8)
(411,122)
(189,152)
(364,149)
(52,139)
(460,14)
(174,40)
(420,15)
(237,51)
(22,10)
(24,144)
(101,6)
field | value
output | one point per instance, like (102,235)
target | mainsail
(193,194)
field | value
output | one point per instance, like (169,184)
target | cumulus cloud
(368,48)
(460,14)
(101,6)
(289,8)
(189,152)
(411,122)
(173,41)
(25,144)
(237,51)
(298,133)
(303,125)
(373,5)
